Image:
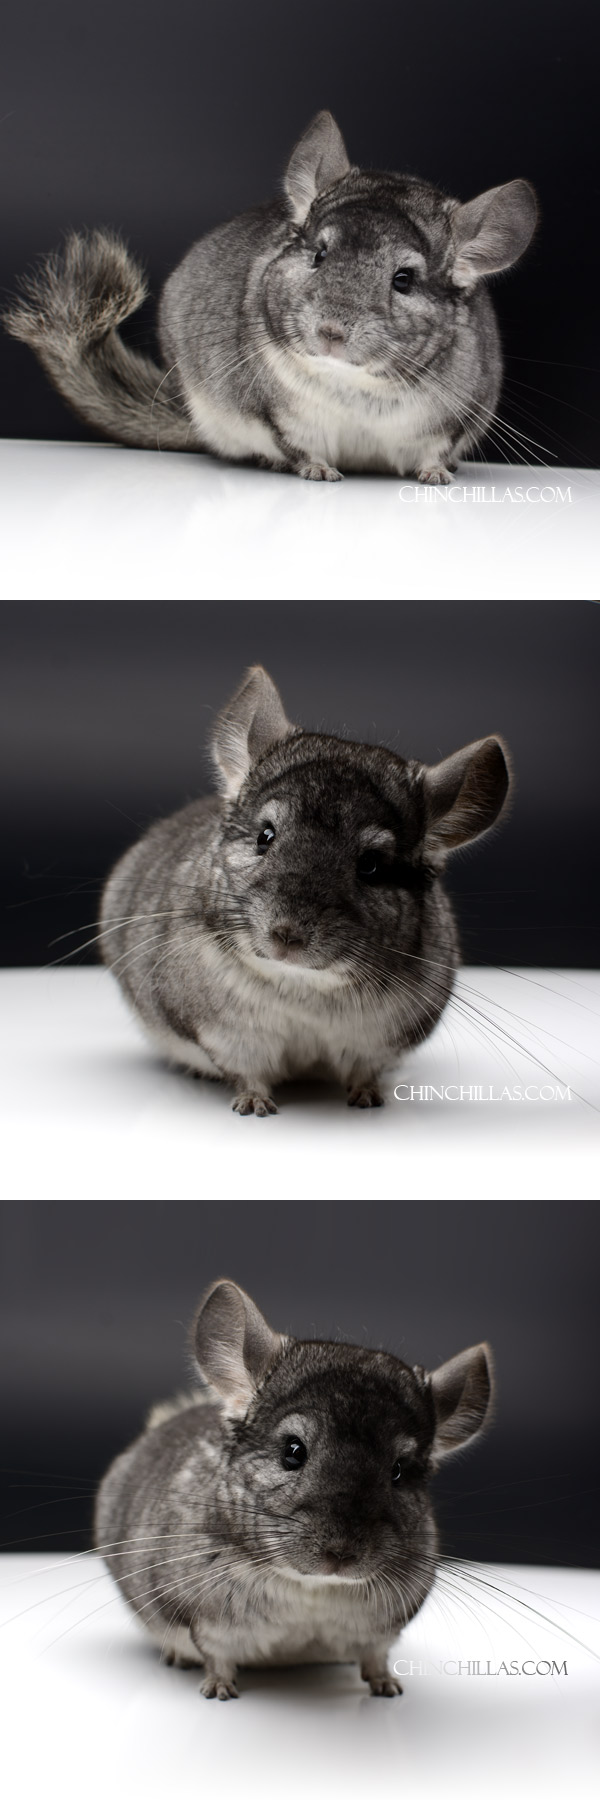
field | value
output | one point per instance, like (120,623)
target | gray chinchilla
(297,925)
(282,1514)
(344,325)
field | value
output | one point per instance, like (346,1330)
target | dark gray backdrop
(105,712)
(97,1299)
(162,120)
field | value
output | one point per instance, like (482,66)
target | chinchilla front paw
(375,1671)
(254,1101)
(365,1094)
(219,1687)
(384,1686)
(318,471)
(435,477)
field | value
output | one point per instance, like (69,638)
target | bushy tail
(69,310)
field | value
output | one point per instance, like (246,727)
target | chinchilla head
(377,265)
(331,851)
(331,1447)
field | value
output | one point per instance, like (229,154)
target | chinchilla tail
(68,310)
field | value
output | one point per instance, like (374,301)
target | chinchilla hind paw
(259,1103)
(384,1686)
(435,477)
(365,1094)
(317,471)
(219,1687)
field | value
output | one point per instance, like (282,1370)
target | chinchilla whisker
(450,1571)
(113,924)
(461,999)
(161,383)
(495,427)
(537,1031)
(452,391)
(127,1549)
(101,936)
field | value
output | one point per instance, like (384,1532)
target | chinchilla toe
(259,1104)
(365,1097)
(315,471)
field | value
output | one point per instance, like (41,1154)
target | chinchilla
(296,925)
(344,325)
(282,1514)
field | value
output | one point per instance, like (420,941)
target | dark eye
(265,837)
(319,256)
(370,865)
(402,280)
(294,1453)
(396,1472)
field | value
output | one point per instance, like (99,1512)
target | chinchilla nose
(288,937)
(337,1562)
(332,338)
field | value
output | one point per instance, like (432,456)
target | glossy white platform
(89,1110)
(84,521)
(89,1710)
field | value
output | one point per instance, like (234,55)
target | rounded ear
(462,1391)
(250,723)
(317,160)
(234,1346)
(464,795)
(491,232)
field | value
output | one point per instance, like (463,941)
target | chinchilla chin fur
(344,325)
(296,924)
(281,1513)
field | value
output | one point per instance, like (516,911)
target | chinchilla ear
(464,795)
(234,1346)
(317,160)
(492,231)
(462,1391)
(250,723)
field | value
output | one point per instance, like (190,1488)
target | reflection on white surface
(90,1110)
(86,521)
(90,1710)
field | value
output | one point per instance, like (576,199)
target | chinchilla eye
(265,837)
(294,1453)
(396,1472)
(402,280)
(319,256)
(369,865)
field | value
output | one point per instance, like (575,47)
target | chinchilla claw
(316,471)
(217,1688)
(365,1096)
(386,1687)
(435,477)
(260,1104)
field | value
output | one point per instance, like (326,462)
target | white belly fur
(281,1029)
(330,418)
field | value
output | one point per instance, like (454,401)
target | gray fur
(270,358)
(228,1557)
(256,965)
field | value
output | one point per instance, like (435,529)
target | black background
(106,710)
(97,1299)
(162,120)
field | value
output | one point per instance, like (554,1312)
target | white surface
(89,1709)
(91,1112)
(84,521)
